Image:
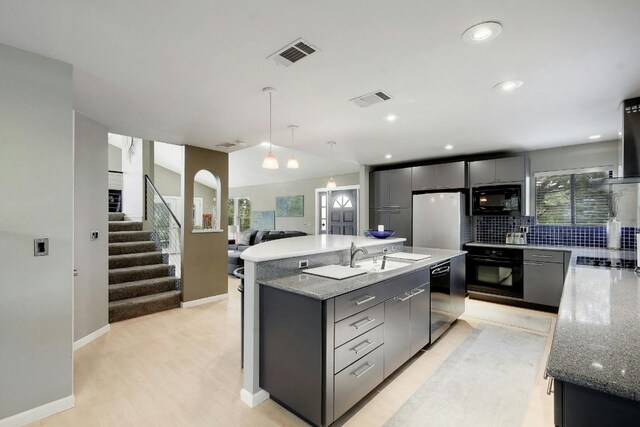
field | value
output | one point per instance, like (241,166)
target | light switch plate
(41,247)
(94,234)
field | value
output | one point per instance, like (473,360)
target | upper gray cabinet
(391,188)
(509,169)
(440,176)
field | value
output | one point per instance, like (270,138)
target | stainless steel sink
(376,266)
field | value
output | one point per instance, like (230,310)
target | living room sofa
(254,237)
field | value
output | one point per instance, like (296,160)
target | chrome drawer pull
(532,263)
(409,296)
(550,386)
(367,298)
(367,344)
(364,371)
(363,322)
(541,256)
(418,292)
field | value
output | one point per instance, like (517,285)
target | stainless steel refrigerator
(439,220)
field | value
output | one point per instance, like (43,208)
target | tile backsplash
(493,229)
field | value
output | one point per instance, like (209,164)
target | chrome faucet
(354,251)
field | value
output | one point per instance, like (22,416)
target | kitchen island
(283,305)
(594,357)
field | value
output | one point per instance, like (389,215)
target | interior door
(343,212)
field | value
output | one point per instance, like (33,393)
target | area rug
(499,314)
(487,381)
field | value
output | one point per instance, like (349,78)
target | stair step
(132,274)
(131,248)
(130,236)
(140,306)
(140,288)
(125,226)
(116,216)
(133,260)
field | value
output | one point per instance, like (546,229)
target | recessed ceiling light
(391,118)
(619,133)
(509,85)
(388,156)
(448,147)
(595,136)
(482,32)
(265,143)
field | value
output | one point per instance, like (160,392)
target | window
(342,202)
(572,197)
(239,210)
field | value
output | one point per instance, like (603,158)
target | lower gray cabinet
(420,318)
(356,381)
(397,332)
(543,282)
(406,326)
(318,358)
(543,277)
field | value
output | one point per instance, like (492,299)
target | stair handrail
(148,180)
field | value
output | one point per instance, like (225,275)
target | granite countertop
(310,245)
(324,288)
(596,343)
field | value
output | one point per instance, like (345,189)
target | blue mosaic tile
(493,229)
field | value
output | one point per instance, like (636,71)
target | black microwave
(497,200)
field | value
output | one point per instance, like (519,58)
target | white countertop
(309,245)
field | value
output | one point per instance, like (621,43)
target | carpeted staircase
(140,279)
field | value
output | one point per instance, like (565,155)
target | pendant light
(270,161)
(293,162)
(332,182)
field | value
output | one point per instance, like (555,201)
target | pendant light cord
(331,159)
(270,124)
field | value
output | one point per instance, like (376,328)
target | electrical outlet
(94,234)
(524,229)
(303,263)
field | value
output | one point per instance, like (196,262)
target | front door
(343,212)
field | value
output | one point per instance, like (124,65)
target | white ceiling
(192,71)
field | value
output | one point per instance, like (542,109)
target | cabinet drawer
(360,299)
(358,347)
(349,328)
(357,380)
(543,256)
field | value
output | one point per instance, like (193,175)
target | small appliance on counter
(516,238)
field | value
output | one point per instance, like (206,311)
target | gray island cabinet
(593,362)
(319,357)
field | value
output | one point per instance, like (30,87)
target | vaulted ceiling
(193,71)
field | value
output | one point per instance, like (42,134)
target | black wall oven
(497,200)
(495,271)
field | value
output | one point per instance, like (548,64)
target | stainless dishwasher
(441,313)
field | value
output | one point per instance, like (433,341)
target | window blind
(572,198)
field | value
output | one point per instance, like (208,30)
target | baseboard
(92,336)
(35,414)
(253,399)
(201,301)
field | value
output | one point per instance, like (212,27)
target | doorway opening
(337,210)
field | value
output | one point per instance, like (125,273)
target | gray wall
(36,123)
(115,158)
(90,213)
(263,198)
(575,156)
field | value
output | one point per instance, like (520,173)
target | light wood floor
(182,368)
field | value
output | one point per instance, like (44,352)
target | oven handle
(494,261)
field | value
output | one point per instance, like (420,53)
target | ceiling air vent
(293,52)
(370,99)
